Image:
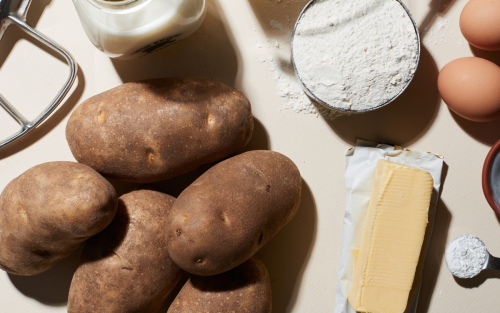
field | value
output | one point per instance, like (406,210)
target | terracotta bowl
(491,178)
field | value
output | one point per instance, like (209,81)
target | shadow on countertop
(11,37)
(277,16)
(493,56)
(487,133)
(287,254)
(207,54)
(52,286)
(403,121)
(436,249)
(435,256)
(477,281)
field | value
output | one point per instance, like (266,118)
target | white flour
(355,54)
(291,92)
(465,256)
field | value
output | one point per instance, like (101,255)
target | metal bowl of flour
(331,107)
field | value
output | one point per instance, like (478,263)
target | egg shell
(480,24)
(471,88)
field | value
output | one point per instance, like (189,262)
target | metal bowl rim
(321,102)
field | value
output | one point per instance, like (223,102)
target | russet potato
(126,267)
(156,129)
(48,211)
(245,288)
(227,214)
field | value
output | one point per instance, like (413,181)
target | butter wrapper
(359,174)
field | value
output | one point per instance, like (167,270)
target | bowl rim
(488,194)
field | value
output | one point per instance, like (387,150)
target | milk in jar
(127,29)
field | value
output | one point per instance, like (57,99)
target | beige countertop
(232,47)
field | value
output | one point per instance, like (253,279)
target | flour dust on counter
(292,94)
(288,87)
(438,32)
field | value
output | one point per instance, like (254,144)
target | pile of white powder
(355,54)
(465,256)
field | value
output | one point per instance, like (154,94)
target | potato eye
(23,212)
(210,119)
(261,237)
(150,155)
(102,117)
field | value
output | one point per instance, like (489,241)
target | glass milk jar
(126,29)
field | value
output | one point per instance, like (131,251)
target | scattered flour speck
(437,32)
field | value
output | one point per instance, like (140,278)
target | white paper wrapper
(359,174)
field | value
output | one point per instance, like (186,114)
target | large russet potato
(156,129)
(126,267)
(245,288)
(48,211)
(226,215)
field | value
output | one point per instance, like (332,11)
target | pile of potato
(138,245)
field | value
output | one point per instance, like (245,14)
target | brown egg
(471,88)
(480,24)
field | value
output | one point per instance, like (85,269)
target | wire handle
(12,14)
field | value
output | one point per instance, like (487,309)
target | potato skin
(226,215)
(156,129)
(246,288)
(48,211)
(126,267)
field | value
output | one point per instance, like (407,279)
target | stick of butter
(392,239)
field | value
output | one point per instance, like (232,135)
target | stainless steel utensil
(490,261)
(328,106)
(13,12)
